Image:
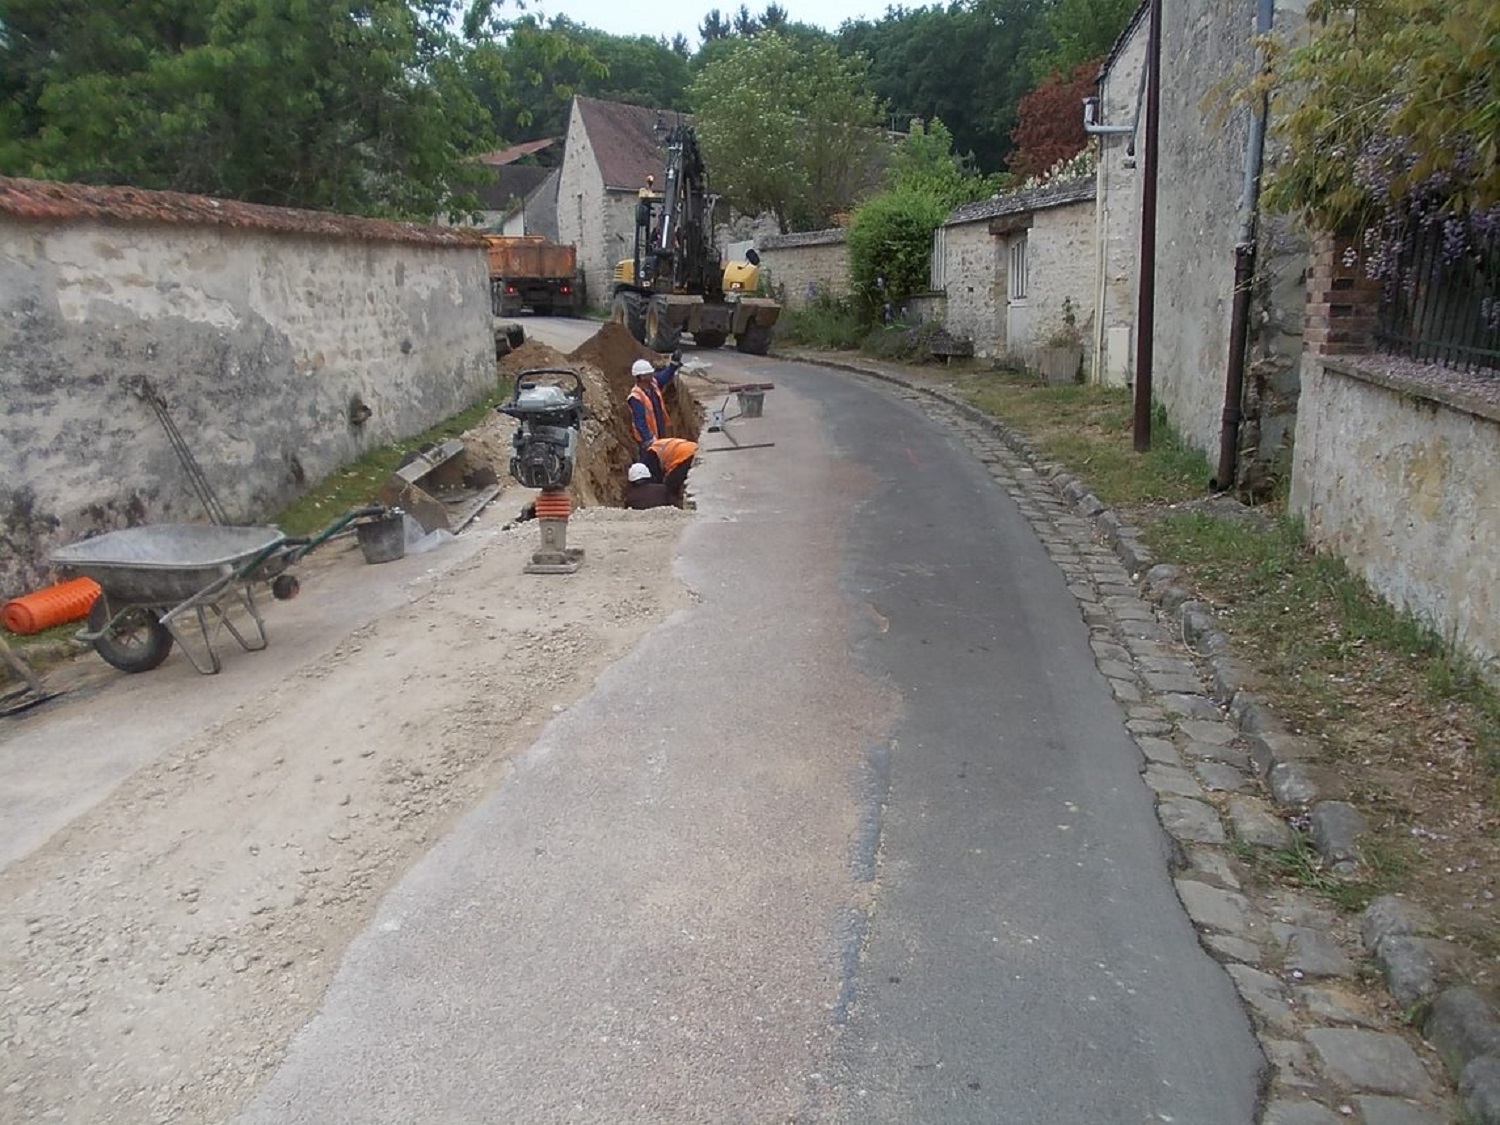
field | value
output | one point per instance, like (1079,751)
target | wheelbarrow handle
(299,547)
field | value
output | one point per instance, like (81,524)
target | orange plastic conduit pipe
(52,605)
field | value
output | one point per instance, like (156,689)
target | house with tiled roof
(611,149)
(521,200)
(1017,271)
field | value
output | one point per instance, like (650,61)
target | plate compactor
(547,404)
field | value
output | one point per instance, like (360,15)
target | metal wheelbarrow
(160,579)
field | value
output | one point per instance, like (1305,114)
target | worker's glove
(677,356)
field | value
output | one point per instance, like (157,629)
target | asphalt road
(858,837)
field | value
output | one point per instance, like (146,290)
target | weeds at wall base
(356,483)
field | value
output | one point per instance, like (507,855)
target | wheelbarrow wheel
(136,641)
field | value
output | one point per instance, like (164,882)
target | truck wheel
(660,335)
(136,641)
(541,310)
(710,339)
(754,340)
(628,310)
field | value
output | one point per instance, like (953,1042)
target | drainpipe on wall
(1244,278)
(1090,107)
(1146,302)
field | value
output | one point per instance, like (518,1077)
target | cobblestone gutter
(1229,775)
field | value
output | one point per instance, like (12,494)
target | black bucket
(383,539)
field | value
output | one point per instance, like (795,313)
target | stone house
(1206,147)
(1394,465)
(611,149)
(520,198)
(1017,271)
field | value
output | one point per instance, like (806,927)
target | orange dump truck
(529,271)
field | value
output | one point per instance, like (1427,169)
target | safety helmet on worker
(637,473)
(641,368)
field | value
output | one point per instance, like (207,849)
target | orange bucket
(54,605)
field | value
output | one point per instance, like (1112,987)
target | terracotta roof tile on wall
(624,146)
(44,199)
(515,152)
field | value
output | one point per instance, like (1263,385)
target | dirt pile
(606,445)
(613,349)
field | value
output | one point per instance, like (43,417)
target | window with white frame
(1018,267)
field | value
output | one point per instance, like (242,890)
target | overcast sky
(667,17)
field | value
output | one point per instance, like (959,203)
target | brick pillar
(1342,301)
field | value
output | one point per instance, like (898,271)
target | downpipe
(1234,375)
(1244,279)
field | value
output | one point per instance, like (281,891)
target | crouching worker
(642,492)
(670,460)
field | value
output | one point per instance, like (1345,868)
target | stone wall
(1061,268)
(1063,265)
(260,328)
(1202,156)
(1403,483)
(801,265)
(974,281)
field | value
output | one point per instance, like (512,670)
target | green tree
(787,130)
(924,163)
(542,66)
(351,105)
(890,246)
(537,71)
(966,63)
(715,26)
(1075,32)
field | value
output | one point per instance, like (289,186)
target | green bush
(890,246)
(901,343)
(826,322)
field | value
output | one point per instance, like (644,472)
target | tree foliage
(543,65)
(1049,127)
(1077,31)
(787,130)
(924,163)
(351,105)
(890,246)
(965,64)
(1388,103)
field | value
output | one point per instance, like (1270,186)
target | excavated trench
(606,446)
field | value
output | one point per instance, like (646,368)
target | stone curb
(1457,1021)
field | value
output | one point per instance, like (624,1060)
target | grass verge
(356,483)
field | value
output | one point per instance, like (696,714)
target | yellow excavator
(673,282)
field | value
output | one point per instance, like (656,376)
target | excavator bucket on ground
(441,487)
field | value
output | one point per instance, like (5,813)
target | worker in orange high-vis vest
(669,460)
(648,413)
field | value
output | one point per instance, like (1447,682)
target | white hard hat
(638,472)
(642,367)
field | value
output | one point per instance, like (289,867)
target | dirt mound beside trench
(606,445)
(612,349)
